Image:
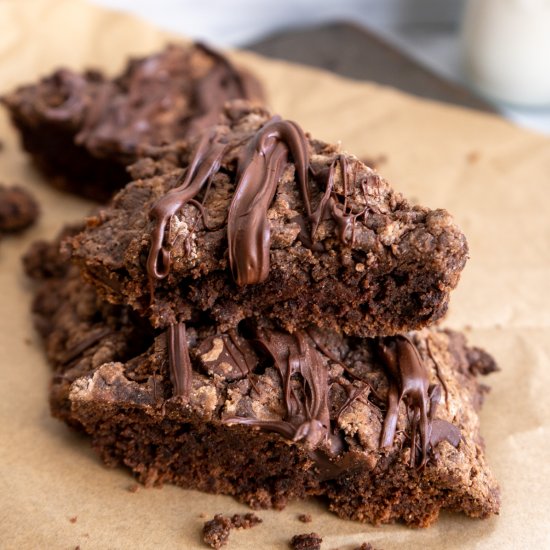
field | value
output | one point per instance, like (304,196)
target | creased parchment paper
(495,179)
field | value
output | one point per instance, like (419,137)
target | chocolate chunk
(227,355)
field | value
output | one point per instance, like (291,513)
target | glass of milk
(506,50)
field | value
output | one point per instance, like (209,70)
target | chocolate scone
(386,428)
(256,218)
(18,209)
(82,129)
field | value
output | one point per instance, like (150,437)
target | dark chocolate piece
(82,130)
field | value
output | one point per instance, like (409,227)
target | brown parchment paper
(494,177)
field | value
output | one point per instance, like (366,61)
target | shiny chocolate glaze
(179,361)
(304,379)
(204,164)
(409,383)
(260,168)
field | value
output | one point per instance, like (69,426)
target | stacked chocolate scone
(250,316)
(82,130)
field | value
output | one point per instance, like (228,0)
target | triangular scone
(256,218)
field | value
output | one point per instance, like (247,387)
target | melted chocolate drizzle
(204,164)
(327,353)
(260,168)
(409,382)
(438,371)
(238,353)
(178,360)
(330,207)
(304,378)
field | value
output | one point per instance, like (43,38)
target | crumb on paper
(305,518)
(216,531)
(134,488)
(306,541)
(73,519)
